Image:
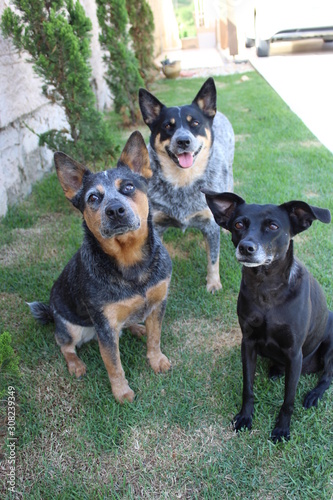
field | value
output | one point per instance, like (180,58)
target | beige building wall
(236,18)
(166,35)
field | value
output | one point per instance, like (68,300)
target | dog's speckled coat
(174,190)
(120,275)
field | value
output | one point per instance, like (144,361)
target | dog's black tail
(41,312)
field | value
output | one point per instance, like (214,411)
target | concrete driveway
(302,74)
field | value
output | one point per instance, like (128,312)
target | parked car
(277,20)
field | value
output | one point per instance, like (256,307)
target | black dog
(281,308)
(120,276)
(191,147)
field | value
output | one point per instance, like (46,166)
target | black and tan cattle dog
(281,308)
(191,147)
(120,276)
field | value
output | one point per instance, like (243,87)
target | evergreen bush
(122,76)
(56,34)
(142,33)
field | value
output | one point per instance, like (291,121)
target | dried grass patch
(10,303)
(164,455)
(151,464)
(242,137)
(36,244)
(207,334)
(175,248)
(200,335)
(175,251)
(311,194)
(54,391)
(311,144)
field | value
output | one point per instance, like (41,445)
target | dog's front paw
(213,285)
(76,367)
(159,363)
(123,392)
(280,433)
(275,372)
(242,422)
(137,330)
(312,398)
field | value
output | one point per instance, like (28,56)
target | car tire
(249,42)
(262,48)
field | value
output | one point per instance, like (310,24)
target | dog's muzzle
(118,219)
(251,254)
(184,159)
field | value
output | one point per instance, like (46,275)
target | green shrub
(57,36)
(142,33)
(122,76)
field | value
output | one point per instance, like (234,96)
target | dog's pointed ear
(302,215)
(222,206)
(135,155)
(70,174)
(150,107)
(206,98)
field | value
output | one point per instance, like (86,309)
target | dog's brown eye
(273,227)
(239,225)
(195,123)
(93,198)
(127,188)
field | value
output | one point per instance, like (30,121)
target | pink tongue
(185,160)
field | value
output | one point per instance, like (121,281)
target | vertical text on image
(11,440)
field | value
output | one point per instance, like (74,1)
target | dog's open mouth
(184,160)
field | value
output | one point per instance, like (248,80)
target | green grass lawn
(175,441)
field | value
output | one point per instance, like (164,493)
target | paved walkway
(301,73)
(204,62)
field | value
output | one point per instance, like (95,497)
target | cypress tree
(56,34)
(122,76)
(142,33)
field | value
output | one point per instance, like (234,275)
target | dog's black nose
(183,142)
(115,210)
(247,248)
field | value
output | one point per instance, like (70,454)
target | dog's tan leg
(213,273)
(157,360)
(211,234)
(68,336)
(114,316)
(75,365)
(119,385)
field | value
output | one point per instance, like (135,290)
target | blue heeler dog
(191,147)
